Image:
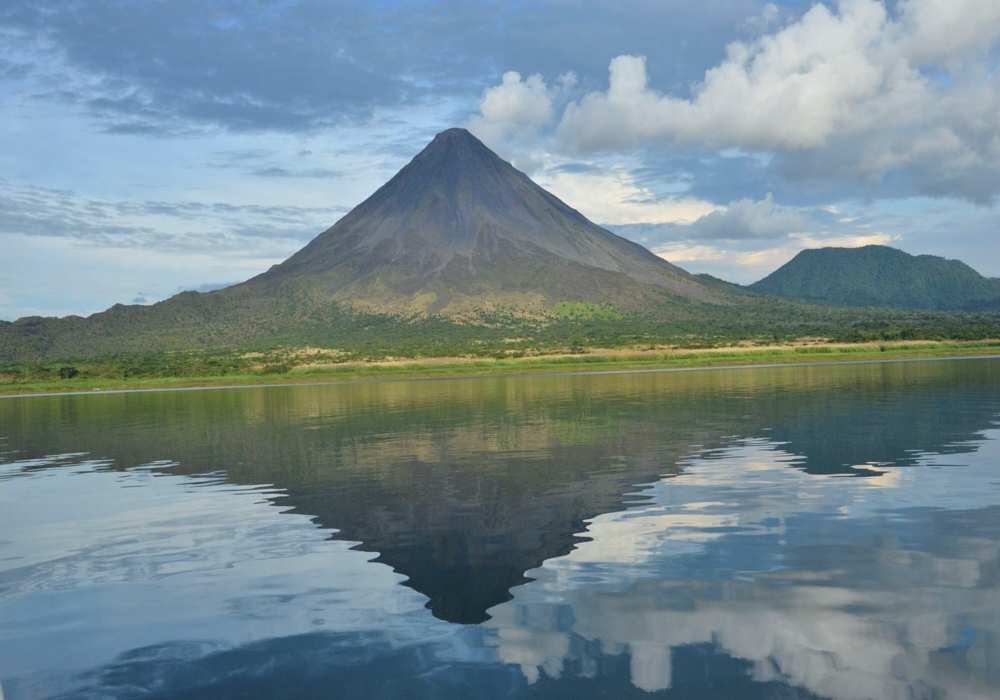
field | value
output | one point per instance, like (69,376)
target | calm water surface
(809,532)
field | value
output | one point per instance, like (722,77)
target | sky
(154,146)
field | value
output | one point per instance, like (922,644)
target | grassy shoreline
(594,361)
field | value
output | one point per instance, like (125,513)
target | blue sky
(158,146)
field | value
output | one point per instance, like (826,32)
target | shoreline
(607,362)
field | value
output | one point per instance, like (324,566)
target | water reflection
(846,589)
(211,543)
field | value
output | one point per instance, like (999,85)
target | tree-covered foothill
(882,276)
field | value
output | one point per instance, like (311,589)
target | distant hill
(881,276)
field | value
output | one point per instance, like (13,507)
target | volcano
(459,228)
(458,237)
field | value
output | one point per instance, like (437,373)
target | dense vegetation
(206,339)
(882,276)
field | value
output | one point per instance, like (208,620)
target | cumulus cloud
(856,86)
(748,219)
(831,73)
(943,31)
(514,107)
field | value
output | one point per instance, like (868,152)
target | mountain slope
(459,227)
(882,276)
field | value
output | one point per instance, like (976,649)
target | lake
(799,532)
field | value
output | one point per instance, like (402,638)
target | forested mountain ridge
(882,276)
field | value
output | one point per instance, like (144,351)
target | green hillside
(882,276)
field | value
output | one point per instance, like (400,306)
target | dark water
(810,532)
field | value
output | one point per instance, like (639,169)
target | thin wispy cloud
(191,227)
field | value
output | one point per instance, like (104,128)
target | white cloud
(749,219)
(935,31)
(831,73)
(513,108)
(614,198)
(857,87)
(792,89)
